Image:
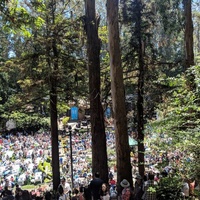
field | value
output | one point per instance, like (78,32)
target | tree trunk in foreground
(118,97)
(54,136)
(140,100)
(53,106)
(189,52)
(99,148)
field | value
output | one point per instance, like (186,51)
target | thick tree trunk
(140,117)
(140,100)
(54,136)
(189,52)
(99,148)
(54,120)
(118,96)
(53,107)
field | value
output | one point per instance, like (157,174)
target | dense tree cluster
(54,51)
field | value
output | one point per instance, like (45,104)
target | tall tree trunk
(140,100)
(53,103)
(118,95)
(140,117)
(198,37)
(54,134)
(189,52)
(99,148)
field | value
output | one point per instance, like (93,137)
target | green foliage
(39,30)
(183,108)
(194,149)
(62,107)
(169,188)
(179,118)
(28,187)
(173,9)
(25,120)
(65,120)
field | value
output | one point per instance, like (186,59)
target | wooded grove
(142,58)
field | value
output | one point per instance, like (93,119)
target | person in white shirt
(64,188)
(185,189)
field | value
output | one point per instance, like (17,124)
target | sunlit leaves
(34,27)
(24,120)
(20,19)
(25,83)
(39,22)
(62,107)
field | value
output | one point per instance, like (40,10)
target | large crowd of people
(21,154)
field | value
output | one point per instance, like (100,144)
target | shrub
(169,188)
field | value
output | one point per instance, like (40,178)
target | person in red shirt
(191,183)
(112,182)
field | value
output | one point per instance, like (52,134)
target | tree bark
(53,65)
(189,52)
(140,100)
(118,96)
(140,117)
(54,136)
(99,148)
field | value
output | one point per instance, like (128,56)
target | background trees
(47,35)
(43,56)
(147,54)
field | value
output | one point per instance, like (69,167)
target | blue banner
(108,112)
(74,113)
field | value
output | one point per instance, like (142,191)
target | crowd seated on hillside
(21,154)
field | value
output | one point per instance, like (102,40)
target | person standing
(149,188)
(127,192)
(64,188)
(113,193)
(185,189)
(95,186)
(138,190)
(104,192)
(62,195)
(6,193)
